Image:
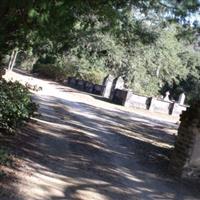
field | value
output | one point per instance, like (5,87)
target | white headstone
(166,98)
(118,83)
(108,82)
(181,99)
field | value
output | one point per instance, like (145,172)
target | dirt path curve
(86,149)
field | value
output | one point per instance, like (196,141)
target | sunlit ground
(82,148)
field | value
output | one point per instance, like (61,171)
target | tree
(132,38)
(45,18)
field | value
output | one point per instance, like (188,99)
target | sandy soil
(82,148)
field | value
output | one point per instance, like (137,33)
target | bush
(92,75)
(16,105)
(4,157)
(84,69)
(51,71)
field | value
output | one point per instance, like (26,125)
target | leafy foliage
(191,83)
(15,105)
(49,71)
(87,39)
(27,21)
(4,157)
(152,58)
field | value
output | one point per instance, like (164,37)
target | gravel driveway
(86,149)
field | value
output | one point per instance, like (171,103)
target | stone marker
(65,82)
(108,82)
(136,101)
(72,81)
(88,87)
(166,98)
(80,84)
(118,83)
(160,106)
(119,96)
(181,99)
(177,109)
(98,89)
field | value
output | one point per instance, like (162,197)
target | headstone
(118,83)
(98,89)
(119,96)
(160,106)
(166,98)
(88,87)
(72,81)
(65,82)
(181,99)
(136,101)
(177,109)
(80,84)
(108,82)
(128,99)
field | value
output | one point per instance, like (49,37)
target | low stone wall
(88,87)
(136,101)
(177,109)
(107,83)
(80,84)
(85,86)
(119,96)
(118,83)
(185,160)
(125,97)
(160,106)
(71,81)
(98,89)
(128,99)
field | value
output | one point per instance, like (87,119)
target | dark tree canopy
(52,19)
(148,42)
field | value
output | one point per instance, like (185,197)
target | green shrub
(4,156)
(86,70)
(16,105)
(93,75)
(5,159)
(51,71)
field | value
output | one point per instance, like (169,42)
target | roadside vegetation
(16,108)
(153,45)
(152,59)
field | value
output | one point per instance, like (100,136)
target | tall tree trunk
(158,72)
(11,59)
(14,60)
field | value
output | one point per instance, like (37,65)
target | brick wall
(185,160)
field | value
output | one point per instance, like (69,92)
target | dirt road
(86,149)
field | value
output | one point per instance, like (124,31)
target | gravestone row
(110,84)
(113,89)
(85,86)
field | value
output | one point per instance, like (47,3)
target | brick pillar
(185,160)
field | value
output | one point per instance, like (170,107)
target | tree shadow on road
(95,153)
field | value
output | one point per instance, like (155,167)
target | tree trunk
(11,60)
(158,72)
(14,60)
